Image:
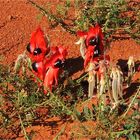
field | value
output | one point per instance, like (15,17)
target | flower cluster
(92,51)
(46,61)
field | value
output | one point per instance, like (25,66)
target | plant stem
(138,91)
(80,79)
(23,128)
(122,132)
(60,132)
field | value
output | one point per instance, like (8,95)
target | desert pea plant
(93,52)
(25,99)
(46,60)
(22,61)
(91,79)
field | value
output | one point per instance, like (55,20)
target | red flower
(38,46)
(46,68)
(51,78)
(95,38)
(93,42)
(53,66)
(58,54)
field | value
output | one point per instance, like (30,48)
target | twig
(58,20)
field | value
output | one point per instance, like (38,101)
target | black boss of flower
(28,48)
(95,41)
(35,67)
(37,51)
(59,64)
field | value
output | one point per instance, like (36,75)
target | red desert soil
(18,19)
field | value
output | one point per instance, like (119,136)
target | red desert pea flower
(47,62)
(49,69)
(58,57)
(93,43)
(95,38)
(53,66)
(51,78)
(38,46)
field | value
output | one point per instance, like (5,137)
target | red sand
(18,19)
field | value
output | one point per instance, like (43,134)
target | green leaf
(87,113)
(77,113)
(131,137)
(68,3)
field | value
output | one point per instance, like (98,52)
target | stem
(23,128)
(60,132)
(131,102)
(80,79)
(122,132)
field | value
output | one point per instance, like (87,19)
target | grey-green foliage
(88,114)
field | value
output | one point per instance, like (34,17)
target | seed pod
(102,72)
(131,69)
(91,79)
(22,58)
(131,65)
(81,41)
(114,85)
(119,82)
(102,82)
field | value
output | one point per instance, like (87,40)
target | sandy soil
(18,19)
